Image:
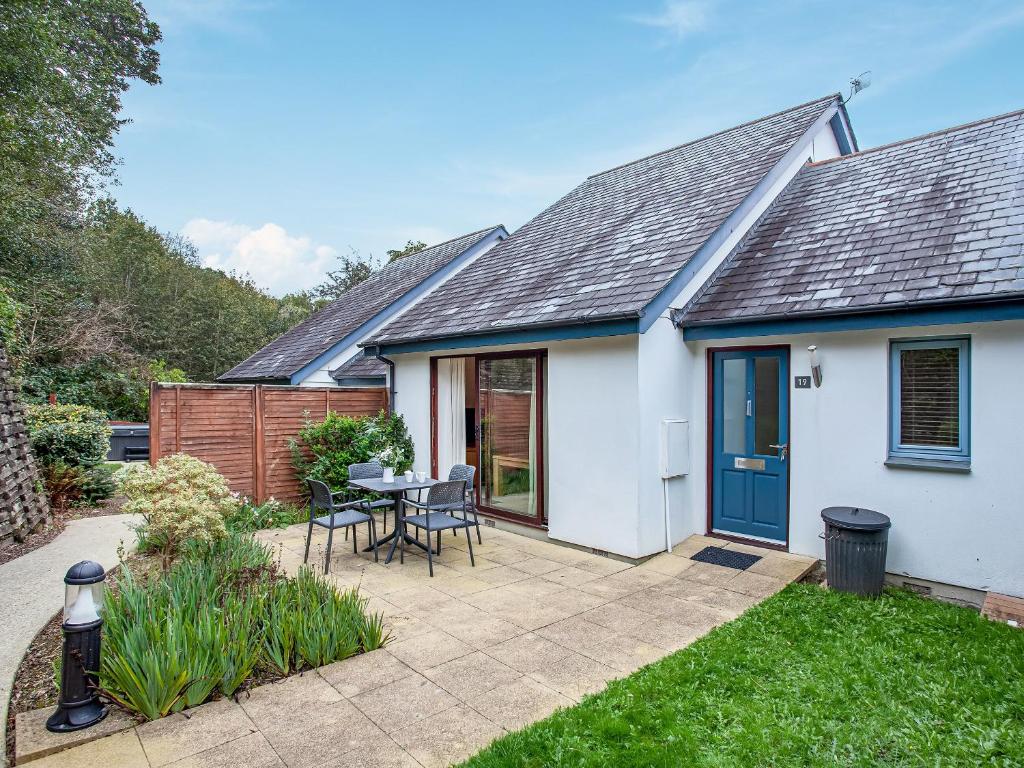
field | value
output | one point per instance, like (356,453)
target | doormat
(727,557)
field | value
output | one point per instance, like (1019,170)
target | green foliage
(411,247)
(75,435)
(352,270)
(249,517)
(219,614)
(324,450)
(810,677)
(390,441)
(100,383)
(10,311)
(97,485)
(180,498)
(63,484)
(63,69)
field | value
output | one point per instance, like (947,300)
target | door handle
(783,449)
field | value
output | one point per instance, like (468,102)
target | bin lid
(855,518)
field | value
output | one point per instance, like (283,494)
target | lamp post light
(79,704)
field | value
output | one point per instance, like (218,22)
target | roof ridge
(713,135)
(412,257)
(921,137)
(459,237)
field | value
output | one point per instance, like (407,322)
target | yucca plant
(372,633)
(243,641)
(177,638)
(282,626)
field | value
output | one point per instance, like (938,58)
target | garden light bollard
(79,703)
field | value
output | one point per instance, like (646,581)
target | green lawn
(809,677)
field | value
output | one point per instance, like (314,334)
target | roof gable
(931,220)
(610,246)
(296,348)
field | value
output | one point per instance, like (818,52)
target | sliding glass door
(510,417)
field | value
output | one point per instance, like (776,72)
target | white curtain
(451,414)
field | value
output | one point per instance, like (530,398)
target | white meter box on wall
(675,447)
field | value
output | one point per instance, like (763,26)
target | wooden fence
(244,429)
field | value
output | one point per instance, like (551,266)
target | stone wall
(22,509)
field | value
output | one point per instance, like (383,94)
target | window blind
(930,397)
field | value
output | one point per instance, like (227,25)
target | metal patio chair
(440,513)
(467,472)
(346,515)
(370,469)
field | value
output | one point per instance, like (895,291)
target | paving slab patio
(475,652)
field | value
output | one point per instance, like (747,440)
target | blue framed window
(929,400)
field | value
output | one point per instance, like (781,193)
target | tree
(353,270)
(411,247)
(64,66)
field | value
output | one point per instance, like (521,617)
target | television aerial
(858,84)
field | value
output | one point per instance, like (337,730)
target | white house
(631,366)
(322,350)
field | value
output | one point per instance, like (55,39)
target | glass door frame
(539,520)
(709,397)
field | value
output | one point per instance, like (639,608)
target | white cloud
(276,261)
(680,18)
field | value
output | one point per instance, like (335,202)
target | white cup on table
(421,476)
(408,475)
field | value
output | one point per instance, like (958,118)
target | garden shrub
(69,443)
(220,613)
(76,435)
(180,499)
(325,449)
(63,485)
(249,517)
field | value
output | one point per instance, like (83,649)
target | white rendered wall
(962,529)
(412,400)
(665,372)
(593,443)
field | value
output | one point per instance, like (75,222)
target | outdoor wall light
(815,365)
(79,703)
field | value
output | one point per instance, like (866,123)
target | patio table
(396,491)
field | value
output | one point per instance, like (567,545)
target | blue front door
(750,443)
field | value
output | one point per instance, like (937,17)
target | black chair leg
(401,544)
(469,540)
(372,525)
(476,521)
(309,535)
(327,560)
(438,542)
(430,556)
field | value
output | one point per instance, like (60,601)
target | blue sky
(286,133)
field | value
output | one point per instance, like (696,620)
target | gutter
(678,315)
(370,347)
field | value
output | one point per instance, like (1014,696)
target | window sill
(961,466)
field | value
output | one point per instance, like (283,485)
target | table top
(400,485)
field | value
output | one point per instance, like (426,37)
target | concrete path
(32,586)
(476,652)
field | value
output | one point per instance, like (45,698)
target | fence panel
(244,429)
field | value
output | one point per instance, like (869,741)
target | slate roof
(291,351)
(933,220)
(360,366)
(607,248)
